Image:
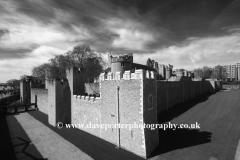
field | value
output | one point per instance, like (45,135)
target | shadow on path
(6,146)
(93,146)
(25,148)
(170,139)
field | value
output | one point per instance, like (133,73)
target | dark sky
(168,31)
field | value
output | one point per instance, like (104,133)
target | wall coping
(139,74)
(86,98)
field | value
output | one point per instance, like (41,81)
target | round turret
(121,63)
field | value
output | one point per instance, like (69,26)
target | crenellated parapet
(123,58)
(127,75)
(86,98)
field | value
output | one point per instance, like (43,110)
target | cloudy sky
(169,31)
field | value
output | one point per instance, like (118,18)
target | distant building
(125,62)
(162,71)
(233,72)
(238,71)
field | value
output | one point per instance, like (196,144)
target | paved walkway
(219,119)
(218,116)
(48,143)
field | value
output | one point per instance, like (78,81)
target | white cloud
(132,39)
(208,51)
(14,68)
(51,39)
(26,32)
(131,34)
(46,40)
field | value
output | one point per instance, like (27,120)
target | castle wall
(76,81)
(59,102)
(175,92)
(63,102)
(41,97)
(122,101)
(130,112)
(36,84)
(136,98)
(25,90)
(86,110)
(149,96)
(52,102)
(120,66)
(9,99)
(25,93)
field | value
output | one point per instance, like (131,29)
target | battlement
(51,81)
(86,98)
(124,58)
(127,75)
(30,78)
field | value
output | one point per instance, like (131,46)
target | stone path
(47,142)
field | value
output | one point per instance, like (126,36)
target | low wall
(170,93)
(175,92)
(42,99)
(10,99)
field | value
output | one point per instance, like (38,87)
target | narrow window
(122,63)
(150,102)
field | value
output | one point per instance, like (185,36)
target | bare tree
(39,71)
(220,72)
(13,83)
(81,57)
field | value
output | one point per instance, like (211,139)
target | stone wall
(25,89)
(105,110)
(59,102)
(25,92)
(76,81)
(122,101)
(171,93)
(86,110)
(149,95)
(41,97)
(52,102)
(123,106)
(10,99)
(129,98)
